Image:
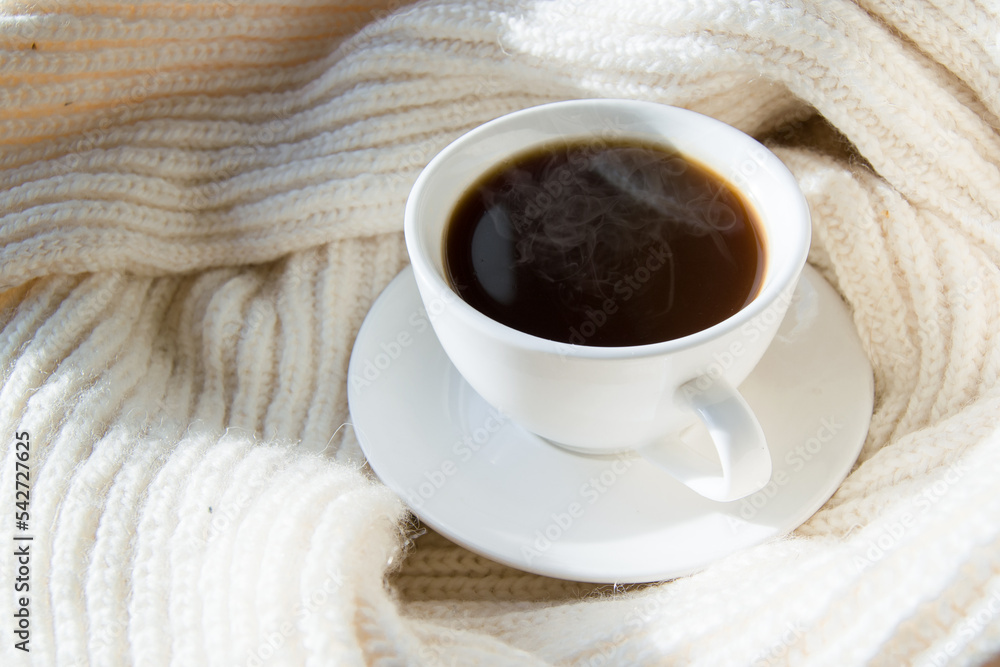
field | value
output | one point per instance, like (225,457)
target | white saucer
(499,491)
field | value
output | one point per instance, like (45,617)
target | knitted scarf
(200,201)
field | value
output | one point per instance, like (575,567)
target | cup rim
(778,279)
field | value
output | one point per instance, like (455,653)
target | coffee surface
(604,243)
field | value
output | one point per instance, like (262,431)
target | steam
(587,222)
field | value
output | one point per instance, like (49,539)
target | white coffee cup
(603,400)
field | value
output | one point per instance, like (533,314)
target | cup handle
(738,439)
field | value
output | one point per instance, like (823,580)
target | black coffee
(604,243)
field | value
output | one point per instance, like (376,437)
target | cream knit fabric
(199,202)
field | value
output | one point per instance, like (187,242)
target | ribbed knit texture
(199,203)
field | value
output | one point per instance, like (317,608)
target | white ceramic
(489,485)
(603,400)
